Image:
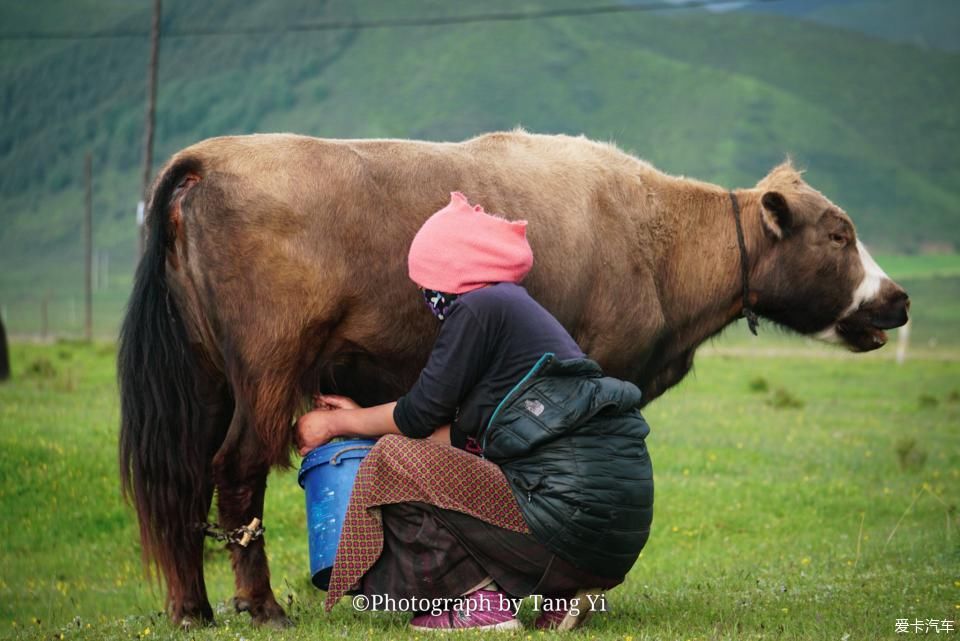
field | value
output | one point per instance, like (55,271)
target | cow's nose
(893,312)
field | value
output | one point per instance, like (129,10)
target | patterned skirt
(427,520)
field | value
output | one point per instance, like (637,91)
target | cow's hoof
(280,622)
(267,614)
(188,623)
(242,605)
(191,618)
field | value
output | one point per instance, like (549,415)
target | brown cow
(276,267)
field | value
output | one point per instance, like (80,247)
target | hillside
(933,24)
(721,97)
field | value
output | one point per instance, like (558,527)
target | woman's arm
(339,416)
(460,355)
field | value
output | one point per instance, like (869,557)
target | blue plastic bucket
(326,476)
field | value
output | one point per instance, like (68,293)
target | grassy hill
(717,96)
(933,24)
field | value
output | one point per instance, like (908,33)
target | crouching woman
(547,488)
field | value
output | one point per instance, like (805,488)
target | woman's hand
(333,402)
(325,422)
(339,416)
(316,428)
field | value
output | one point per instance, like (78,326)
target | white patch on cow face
(873,277)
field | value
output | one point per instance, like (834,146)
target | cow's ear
(775,214)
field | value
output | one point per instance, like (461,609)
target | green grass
(772,520)
(912,268)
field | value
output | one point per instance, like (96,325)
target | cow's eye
(838,239)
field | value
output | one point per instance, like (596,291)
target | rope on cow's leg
(242,536)
(249,532)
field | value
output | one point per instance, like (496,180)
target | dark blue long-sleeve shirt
(491,337)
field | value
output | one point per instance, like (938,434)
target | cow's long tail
(162,445)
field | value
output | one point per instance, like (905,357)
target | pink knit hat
(461,248)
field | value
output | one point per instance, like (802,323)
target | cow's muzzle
(863,329)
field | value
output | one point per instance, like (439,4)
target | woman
(560,501)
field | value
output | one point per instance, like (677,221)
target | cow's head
(813,275)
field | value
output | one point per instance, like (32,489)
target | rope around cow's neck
(748,311)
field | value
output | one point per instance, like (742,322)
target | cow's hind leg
(240,470)
(186,589)
(183,567)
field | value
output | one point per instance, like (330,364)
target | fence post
(149,123)
(88,249)
(4,353)
(903,339)
(44,326)
(104,269)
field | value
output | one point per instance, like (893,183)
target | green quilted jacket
(570,441)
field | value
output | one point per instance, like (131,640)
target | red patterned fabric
(400,469)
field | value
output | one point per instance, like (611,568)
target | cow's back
(313,227)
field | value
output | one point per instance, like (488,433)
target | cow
(276,267)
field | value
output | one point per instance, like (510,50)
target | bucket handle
(335,459)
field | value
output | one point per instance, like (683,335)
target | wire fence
(49,314)
(60,316)
(50,318)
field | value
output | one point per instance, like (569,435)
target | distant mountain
(928,24)
(719,96)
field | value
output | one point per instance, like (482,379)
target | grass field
(797,498)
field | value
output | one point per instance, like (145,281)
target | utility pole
(148,125)
(44,319)
(103,269)
(88,249)
(4,353)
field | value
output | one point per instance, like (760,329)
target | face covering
(438,302)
